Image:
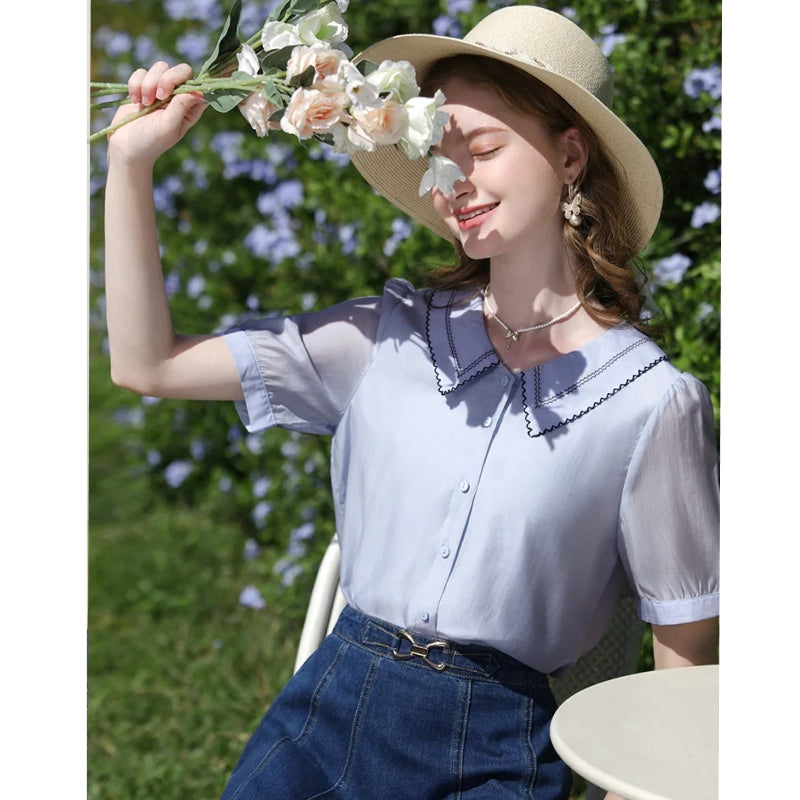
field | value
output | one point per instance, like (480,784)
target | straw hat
(557,52)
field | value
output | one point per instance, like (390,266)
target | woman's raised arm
(147,356)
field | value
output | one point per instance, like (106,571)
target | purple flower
(275,246)
(129,416)
(447,26)
(260,512)
(302,532)
(172,284)
(255,443)
(164,195)
(308,301)
(195,286)
(348,238)
(703,310)
(705,214)
(713,124)
(251,550)
(713,181)
(193,46)
(197,171)
(327,153)
(225,484)
(261,486)
(250,597)
(704,80)
(254,14)
(459,6)
(197,448)
(609,38)
(290,449)
(205,10)
(144,50)
(153,458)
(289,193)
(671,268)
(401,229)
(288,570)
(176,472)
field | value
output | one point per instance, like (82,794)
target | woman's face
(515,171)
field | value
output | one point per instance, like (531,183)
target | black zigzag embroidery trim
(451,343)
(586,378)
(528,423)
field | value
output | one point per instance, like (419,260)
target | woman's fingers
(156,83)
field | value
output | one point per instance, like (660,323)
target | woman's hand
(143,140)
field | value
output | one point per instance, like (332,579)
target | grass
(179,673)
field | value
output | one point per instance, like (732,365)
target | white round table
(648,736)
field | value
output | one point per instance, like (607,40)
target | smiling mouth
(476,213)
(474,216)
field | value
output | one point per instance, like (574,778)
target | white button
(424,615)
(444,551)
(504,380)
(464,486)
(487,422)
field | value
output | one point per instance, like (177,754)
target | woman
(511,452)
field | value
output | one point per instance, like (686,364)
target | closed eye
(486,154)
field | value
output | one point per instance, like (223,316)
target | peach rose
(382,124)
(311,111)
(325,61)
(257,110)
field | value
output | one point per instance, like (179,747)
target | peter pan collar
(554,393)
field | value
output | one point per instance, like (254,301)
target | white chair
(616,654)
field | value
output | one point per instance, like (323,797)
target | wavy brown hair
(604,257)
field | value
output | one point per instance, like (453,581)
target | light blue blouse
(482,505)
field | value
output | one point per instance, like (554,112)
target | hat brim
(392,174)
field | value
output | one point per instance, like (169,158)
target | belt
(428,652)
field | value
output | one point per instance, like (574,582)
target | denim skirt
(379,712)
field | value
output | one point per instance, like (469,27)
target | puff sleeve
(669,516)
(299,372)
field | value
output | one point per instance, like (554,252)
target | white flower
(343,4)
(276,35)
(326,25)
(248,60)
(425,124)
(358,91)
(442,173)
(397,78)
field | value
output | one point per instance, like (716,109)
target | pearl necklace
(512,335)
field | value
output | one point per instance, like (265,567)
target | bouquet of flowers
(296,75)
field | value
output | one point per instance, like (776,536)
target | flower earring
(572,207)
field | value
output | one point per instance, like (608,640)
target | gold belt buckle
(421,650)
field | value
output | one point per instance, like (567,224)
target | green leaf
(297,8)
(366,67)
(225,100)
(270,91)
(305,78)
(228,42)
(276,59)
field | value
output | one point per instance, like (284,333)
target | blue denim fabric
(356,723)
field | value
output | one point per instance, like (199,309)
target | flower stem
(111,128)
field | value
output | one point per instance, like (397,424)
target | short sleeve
(669,517)
(300,371)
